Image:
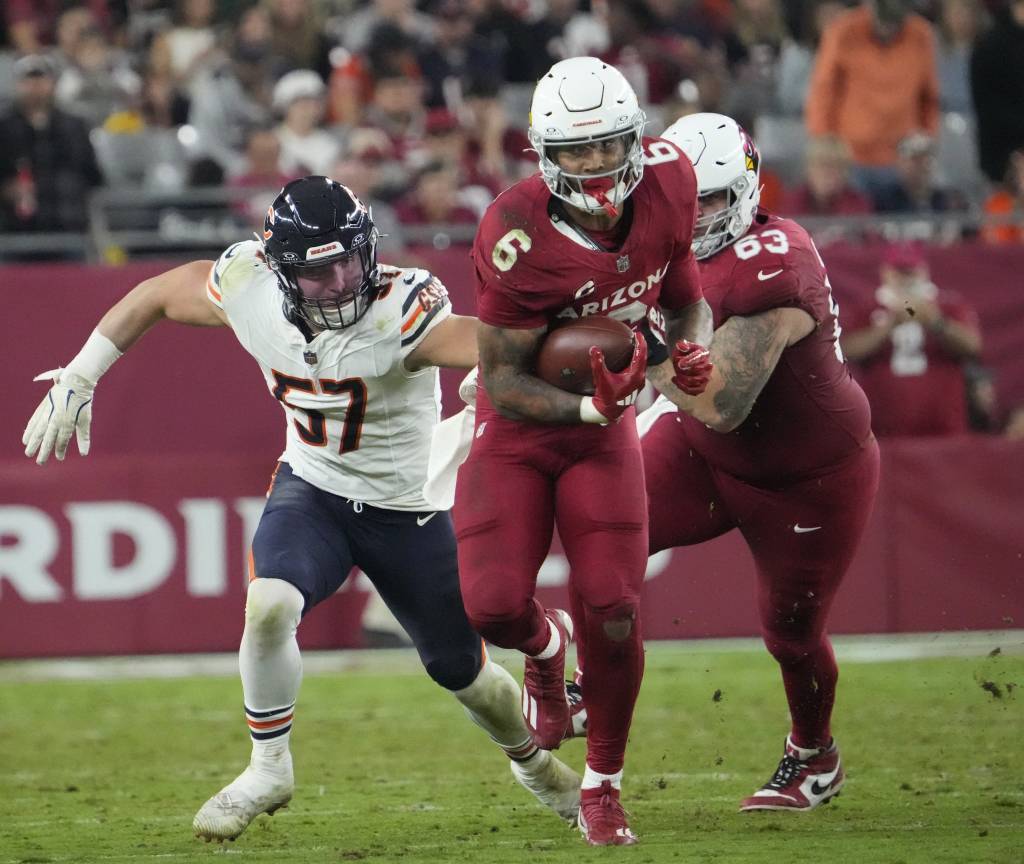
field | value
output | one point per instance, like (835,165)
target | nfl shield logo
(622,263)
(309,357)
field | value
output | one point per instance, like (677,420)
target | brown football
(564,356)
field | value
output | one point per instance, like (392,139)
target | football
(564,356)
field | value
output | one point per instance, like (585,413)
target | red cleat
(602,819)
(545,705)
(800,784)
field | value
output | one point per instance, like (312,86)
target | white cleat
(256,790)
(552,782)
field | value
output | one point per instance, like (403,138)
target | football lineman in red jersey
(779,445)
(604,229)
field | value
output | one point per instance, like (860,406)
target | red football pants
(802,535)
(520,480)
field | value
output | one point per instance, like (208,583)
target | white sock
(805,753)
(492,701)
(554,643)
(592,779)
(270,664)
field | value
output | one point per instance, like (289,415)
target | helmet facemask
(717,229)
(311,287)
(604,193)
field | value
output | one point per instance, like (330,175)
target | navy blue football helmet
(320,241)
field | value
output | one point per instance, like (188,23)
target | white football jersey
(359,423)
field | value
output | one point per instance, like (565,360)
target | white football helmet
(580,100)
(725,159)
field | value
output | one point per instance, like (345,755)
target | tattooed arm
(506,361)
(692,323)
(745,351)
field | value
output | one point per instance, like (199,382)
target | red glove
(692,365)
(614,392)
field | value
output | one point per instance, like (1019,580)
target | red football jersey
(533,267)
(914,385)
(811,414)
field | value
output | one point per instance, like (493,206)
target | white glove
(65,409)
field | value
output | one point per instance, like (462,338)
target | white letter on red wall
(24,562)
(93,527)
(205,546)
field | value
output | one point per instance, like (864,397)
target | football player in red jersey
(779,445)
(604,229)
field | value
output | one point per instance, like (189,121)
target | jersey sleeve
(776,266)
(425,304)
(681,285)
(222,283)
(509,268)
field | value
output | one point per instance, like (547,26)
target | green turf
(388,770)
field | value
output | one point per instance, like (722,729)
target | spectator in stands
(827,190)
(47,164)
(445,141)
(355,31)
(235,95)
(189,46)
(874,83)
(957,29)
(298,38)
(384,177)
(32,24)
(760,28)
(997,87)
(434,199)
(71,26)
(140,146)
(260,173)
(457,52)
(916,189)
(796,60)
(496,148)
(396,104)
(908,344)
(546,35)
(1005,205)
(98,79)
(306,148)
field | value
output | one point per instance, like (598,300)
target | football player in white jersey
(351,354)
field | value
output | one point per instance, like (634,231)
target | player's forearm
(702,407)
(745,351)
(178,295)
(958,339)
(693,323)
(520,396)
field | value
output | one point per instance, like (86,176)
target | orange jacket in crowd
(1001,203)
(871,94)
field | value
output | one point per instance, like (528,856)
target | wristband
(589,412)
(96,357)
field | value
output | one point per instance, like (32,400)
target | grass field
(388,770)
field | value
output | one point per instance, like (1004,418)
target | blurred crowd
(882,106)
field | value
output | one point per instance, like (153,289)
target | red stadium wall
(141,547)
